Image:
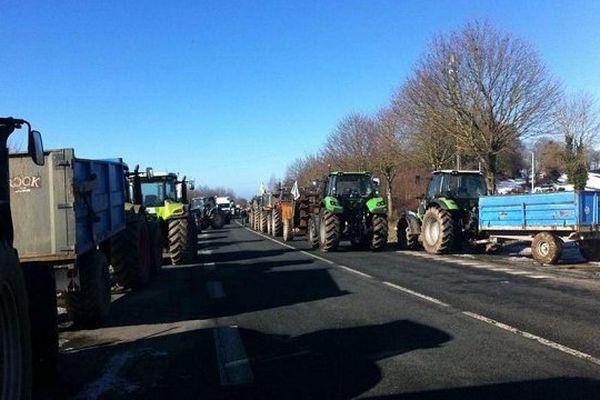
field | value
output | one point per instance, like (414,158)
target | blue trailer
(68,211)
(547,219)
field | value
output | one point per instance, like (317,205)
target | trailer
(548,220)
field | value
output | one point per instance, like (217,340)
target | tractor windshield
(155,192)
(457,186)
(197,203)
(351,185)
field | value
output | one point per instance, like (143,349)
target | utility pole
(532,172)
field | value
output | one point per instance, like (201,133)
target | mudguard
(332,205)
(377,205)
(170,209)
(445,203)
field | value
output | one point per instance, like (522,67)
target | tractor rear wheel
(217,220)
(129,254)
(15,342)
(90,305)
(313,235)
(407,239)
(437,231)
(329,231)
(590,249)
(288,232)
(277,229)
(546,248)
(380,232)
(263,222)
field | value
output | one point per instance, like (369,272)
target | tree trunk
(390,207)
(490,172)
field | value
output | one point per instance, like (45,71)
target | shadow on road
(542,389)
(327,364)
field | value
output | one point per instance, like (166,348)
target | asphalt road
(259,319)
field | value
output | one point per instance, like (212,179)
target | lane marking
(232,361)
(539,339)
(538,276)
(500,269)
(317,257)
(209,266)
(205,252)
(416,294)
(215,290)
(518,272)
(354,271)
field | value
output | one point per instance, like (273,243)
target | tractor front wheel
(590,249)
(380,232)
(313,235)
(329,231)
(437,231)
(407,238)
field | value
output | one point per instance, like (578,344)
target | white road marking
(317,257)
(210,266)
(417,294)
(354,271)
(234,367)
(205,252)
(518,272)
(498,269)
(527,335)
(538,276)
(215,290)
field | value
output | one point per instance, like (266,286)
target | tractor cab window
(434,188)
(351,185)
(197,204)
(463,186)
(155,192)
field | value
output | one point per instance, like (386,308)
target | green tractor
(165,198)
(447,214)
(348,206)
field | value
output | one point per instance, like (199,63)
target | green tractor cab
(165,198)
(447,213)
(348,206)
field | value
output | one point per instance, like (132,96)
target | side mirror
(376,181)
(35,147)
(191,186)
(149,172)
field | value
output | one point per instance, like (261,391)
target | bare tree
(484,88)
(577,119)
(350,145)
(306,170)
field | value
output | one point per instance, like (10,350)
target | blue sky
(230,92)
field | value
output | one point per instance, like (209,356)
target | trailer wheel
(313,236)
(437,231)
(90,305)
(406,239)
(277,223)
(590,249)
(288,232)
(546,248)
(129,255)
(41,292)
(380,232)
(270,223)
(329,231)
(178,240)
(15,342)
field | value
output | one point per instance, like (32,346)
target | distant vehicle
(226,206)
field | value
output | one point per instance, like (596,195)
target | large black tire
(263,222)
(329,231)
(407,240)
(90,306)
(269,223)
(380,232)
(313,233)
(288,231)
(590,249)
(437,231)
(129,253)
(192,250)
(15,342)
(546,248)
(277,229)
(41,291)
(155,248)
(217,220)
(179,238)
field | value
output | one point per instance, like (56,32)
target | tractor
(165,198)
(447,214)
(206,213)
(348,206)
(293,207)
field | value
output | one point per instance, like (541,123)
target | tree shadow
(327,364)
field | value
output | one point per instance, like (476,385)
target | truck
(226,205)
(547,220)
(15,351)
